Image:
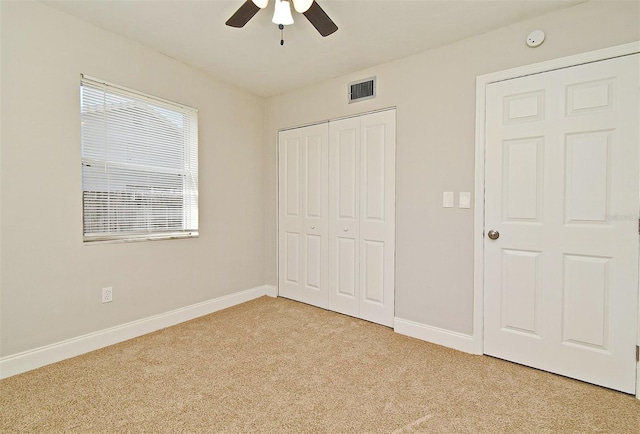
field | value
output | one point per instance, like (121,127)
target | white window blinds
(139,164)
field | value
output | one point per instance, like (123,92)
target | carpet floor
(278,366)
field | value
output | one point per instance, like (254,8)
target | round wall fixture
(535,38)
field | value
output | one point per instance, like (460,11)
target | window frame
(188,171)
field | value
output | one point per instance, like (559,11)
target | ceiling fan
(309,8)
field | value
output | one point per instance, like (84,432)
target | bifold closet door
(303,216)
(362,216)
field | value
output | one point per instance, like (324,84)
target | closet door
(362,216)
(303,222)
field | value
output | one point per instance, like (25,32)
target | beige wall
(50,282)
(434,93)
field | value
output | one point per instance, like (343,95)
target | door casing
(478,238)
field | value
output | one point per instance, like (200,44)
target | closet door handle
(313,227)
(346,229)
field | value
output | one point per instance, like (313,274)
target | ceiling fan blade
(243,14)
(320,20)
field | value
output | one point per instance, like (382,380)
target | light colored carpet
(278,366)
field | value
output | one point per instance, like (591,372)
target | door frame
(482,82)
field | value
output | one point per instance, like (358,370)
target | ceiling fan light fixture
(301,6)
(282,13)
(261,3)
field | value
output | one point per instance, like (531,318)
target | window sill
(137,238)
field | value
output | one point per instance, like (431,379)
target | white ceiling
(370,33)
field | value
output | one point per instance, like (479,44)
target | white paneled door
(303,214)
(336,213)
(362,216)
(561,221)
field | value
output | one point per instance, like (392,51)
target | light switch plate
(464,200)
(447,199)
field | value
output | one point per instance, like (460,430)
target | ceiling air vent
(361,90)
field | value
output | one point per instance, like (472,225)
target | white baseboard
(435,335)
(638,380)
(272,291)
(32,359)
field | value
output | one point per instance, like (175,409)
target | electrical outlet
(107,295)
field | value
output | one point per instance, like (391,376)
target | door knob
(346,229)
(313,227)
(494,235)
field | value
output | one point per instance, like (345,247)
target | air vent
(361,90)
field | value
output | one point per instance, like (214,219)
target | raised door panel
(588,175)
(525,106)
(372,280)
(313,267)
(373,172)
(292,256)
(346,153)
(345,268)
(315,187)
(590,97)
(521,291)
(586,307)
(290,152)
(523,175)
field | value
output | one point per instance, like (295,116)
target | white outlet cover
(107,294)
(535,38)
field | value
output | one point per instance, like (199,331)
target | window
(139,165)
